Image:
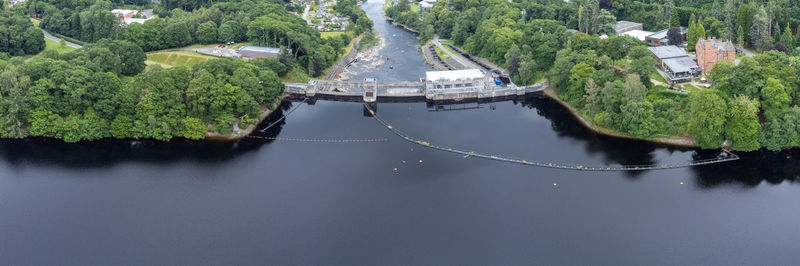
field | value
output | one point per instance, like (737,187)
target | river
(300,203)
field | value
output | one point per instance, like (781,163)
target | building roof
(454,75)
(120,12)
(572,31)
(135,20)
(723,46)
(624,26)
(681,64)
(669,51)
(260,49)
(638,34)
(663,33)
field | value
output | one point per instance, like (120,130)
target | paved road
(466,62)
(305,13)
(54,38)
(745,51)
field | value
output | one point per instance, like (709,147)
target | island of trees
(609,81)
(106,90)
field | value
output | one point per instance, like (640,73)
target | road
(56,39)
(466,62)
(305,13)
(745,51)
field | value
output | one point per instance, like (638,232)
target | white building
(638,34)
(129,21)
(426,4)
(455,79)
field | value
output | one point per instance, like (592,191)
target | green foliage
(742,125)
(707,116)
(207,32)
(18,36)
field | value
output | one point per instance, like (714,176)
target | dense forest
(18,36)
(81,95)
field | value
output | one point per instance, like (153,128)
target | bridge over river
(371,90)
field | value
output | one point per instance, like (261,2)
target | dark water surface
(298,203)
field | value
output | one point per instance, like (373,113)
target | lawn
(656,76)
(326,34)
(441,53)
(54,45)
(690,88)
(176,58)
(36,22)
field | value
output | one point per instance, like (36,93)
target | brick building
(711,50)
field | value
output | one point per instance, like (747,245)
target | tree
(707,118)
(637,118)
(207,32)
(787,38)
(691,39)
(775,101)
(577,79)
(606,23)
(669,16)
(194,128)
(592,97)
(701,33)
(759,30)
(176,35)
(527,68)
(634,90)
(643,67)
(742,126)
(740,37)
(720,78)
(229,31)
(512,60)
(674,35)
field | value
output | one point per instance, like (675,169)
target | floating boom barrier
(728,158)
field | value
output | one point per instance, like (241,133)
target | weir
(372,90)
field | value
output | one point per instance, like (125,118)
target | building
(710,51)
(626,26)
(455,79)
(660,38)
(257,52)
(129,21)
(675,64)
(11,3)
(660,53)
(638,34)
(679,70)
(427,4)
(124,13)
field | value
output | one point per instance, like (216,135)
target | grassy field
(326,34)
(176,58)
(36,22)
(690,88)
(54,45)
(656,76)
(441,53)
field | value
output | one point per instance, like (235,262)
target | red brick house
(710,51)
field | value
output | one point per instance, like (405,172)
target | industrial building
(626,26)
(455,79)
(256,52)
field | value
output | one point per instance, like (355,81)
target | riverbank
(686,141)
(265,112)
